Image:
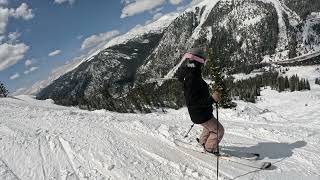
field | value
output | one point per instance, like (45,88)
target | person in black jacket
(198,99)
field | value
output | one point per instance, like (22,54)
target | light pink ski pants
(208,137)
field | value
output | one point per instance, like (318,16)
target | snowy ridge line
(298,59)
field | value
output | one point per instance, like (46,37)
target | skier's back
(198,99)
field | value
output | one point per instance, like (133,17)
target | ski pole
(218,151)
(189,131)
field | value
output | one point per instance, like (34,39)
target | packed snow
(41,140)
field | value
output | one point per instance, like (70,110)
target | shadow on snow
(271,150)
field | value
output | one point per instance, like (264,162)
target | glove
(216,96)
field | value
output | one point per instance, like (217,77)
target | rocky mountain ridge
(241,33)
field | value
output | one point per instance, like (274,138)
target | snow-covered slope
(40,140)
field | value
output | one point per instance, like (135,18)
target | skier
(198,99)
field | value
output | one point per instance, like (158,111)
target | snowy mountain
(121,76)
(41,140)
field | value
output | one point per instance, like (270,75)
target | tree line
(249,89)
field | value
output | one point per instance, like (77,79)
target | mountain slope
(241,34)
(98,82)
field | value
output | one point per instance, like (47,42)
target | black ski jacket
(196,92)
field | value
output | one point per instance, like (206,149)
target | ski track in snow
(40,140)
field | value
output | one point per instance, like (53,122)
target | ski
(223,151)
(242,158)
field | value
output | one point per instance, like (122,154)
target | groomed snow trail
(40,140)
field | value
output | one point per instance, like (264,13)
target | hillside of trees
(249,89)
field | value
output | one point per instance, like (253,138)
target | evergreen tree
(297,84)
(317,81)
(286,83)
(3,90)
(308,86)
(280,84)
(215,73)
(292,83)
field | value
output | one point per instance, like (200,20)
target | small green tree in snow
(215,73)
(3,90)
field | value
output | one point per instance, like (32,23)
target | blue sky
(37,36)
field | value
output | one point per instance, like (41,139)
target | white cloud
(11,51)
(10,54)
(4,2)
(181,8)
(22,12)
(157,16)
(31,70)
(175,2)
(156,10)
(2,38)
(15,76)
(191,4)
(54,53)
(13,37)
(194,2)
(94,40)
(139,6)
(63,1)
(28,62)
(4,18)
(126,1)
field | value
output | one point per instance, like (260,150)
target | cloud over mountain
(139,6)
(94,40)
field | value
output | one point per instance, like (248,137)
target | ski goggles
(193,58)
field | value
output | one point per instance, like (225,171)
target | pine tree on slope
(3,90)
(215,75)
